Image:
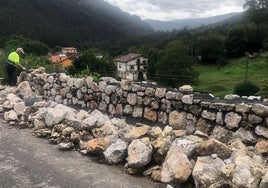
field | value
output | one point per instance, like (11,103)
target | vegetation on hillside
(68,22)
(36,54)
(216,48)
(221,81)
(88,64)
(211,58)
(173,65)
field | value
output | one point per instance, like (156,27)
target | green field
(221,81)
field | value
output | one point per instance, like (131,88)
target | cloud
(177,9)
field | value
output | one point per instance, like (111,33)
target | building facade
(132,67)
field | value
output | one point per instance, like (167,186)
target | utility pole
(246,76)
(249,57)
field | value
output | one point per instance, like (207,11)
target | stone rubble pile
(177,153)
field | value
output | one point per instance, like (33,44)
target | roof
(128,57)
(69,48)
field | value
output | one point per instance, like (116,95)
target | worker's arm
(20,66)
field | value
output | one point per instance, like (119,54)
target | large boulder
(98,145)
(213,146)
(116,152)
(176,167)
(24,89)
(207,172)
(139,154)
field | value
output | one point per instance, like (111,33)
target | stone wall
(204,141)
(191,111)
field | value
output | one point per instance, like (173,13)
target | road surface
(30,162)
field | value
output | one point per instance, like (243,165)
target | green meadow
(221,81)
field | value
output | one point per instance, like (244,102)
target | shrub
(85,73)
(263,88)
(216,88)
(3,73)
(246,89)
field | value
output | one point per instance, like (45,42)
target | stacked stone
(175,154)
(179,109)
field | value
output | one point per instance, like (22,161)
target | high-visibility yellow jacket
(14,57)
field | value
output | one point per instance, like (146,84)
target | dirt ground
(30,162)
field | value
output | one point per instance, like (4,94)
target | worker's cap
(20,50)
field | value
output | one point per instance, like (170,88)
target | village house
(66,57)
(131,67)
(69,50)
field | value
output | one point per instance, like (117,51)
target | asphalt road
(30,162)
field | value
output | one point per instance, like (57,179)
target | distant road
(30,162)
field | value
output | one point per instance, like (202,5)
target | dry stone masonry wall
(186,110)
(203,141)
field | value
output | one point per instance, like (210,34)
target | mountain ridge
(189,23)
(63,22)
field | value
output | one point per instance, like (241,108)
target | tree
(30,46)
(257,10)
(253,5)
(36,47)
(242,38)
(153,56)
(88,60)
(254,38)
(211,48)
(236,41)
(173,67)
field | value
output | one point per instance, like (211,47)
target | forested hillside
(63,22)
(171,60)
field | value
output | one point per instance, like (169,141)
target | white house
(69,50)
(132,67)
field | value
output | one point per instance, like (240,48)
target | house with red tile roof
(66,57)
(132,67)
(58,57)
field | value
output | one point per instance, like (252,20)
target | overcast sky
(177,9)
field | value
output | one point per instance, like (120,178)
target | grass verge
(221,81)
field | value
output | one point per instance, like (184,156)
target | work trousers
(12,75)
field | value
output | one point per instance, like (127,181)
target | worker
(13,63)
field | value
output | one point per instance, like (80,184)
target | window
(132,67)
